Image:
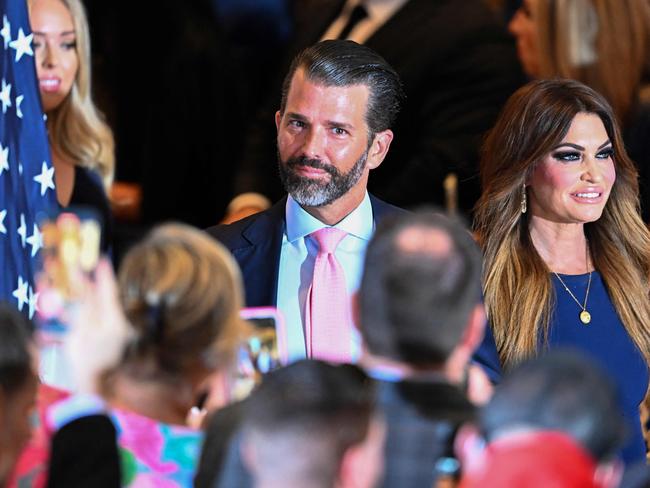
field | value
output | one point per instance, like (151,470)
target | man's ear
(362,464)
(379,148)
(278,119)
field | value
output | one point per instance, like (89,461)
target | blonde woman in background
(80,141)
(566,254)
(605,44)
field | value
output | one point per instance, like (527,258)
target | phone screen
(71,241)
(261,352)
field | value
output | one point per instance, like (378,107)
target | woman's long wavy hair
(76,128)
(602,43)
(519,295)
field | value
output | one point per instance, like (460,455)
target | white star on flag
(5,95)
(35,240)
(22,44)
(33,302)
(19,100)
(20,293)
(3,214)
(6,30)
(4,159)
(22,230)
(46,178)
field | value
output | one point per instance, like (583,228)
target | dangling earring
(524,203)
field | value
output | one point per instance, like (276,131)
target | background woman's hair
(519,295)
(602,43)
(76,128)
(182,292)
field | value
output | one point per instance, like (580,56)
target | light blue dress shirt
(297,258)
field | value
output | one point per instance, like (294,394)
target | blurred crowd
(344,243)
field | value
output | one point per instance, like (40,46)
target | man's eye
(296,123)
(338,131)
(567,156)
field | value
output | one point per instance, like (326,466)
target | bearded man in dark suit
(339,101)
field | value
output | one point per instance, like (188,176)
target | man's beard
(312,192)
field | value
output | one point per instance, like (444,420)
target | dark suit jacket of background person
(256,242)
(458,66)
(423,418)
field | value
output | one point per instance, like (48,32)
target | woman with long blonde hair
(567,256)
(80,141)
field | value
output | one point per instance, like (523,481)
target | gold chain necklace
(585,317)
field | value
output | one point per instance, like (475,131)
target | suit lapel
(260,260)
(381,209)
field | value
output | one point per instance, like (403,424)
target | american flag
(26,171)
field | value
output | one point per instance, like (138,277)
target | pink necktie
(328,326)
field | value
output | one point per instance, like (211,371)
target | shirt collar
(300,223)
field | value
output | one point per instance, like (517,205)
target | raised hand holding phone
(82,330)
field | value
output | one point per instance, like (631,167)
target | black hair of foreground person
(561,391)
(302,424)
(419,288)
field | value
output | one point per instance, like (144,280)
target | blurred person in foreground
(313,425)
(421,318)
(553,421)
(181,294)
(18,384)
(605,44)
(567,256)
(80,140)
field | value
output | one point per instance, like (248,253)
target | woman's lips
(49,85)
(588,196)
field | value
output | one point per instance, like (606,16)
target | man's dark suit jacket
(422,419)
(458,66)
(256,242)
